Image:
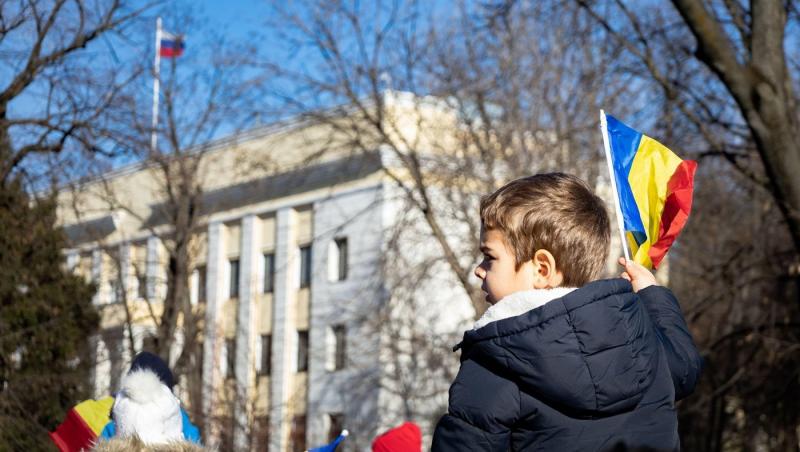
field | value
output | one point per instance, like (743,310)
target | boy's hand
(639,276)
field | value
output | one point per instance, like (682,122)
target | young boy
(561,361)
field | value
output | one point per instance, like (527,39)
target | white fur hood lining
(145,407)
(519,303)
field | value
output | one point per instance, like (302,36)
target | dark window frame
(233,289)
(266,354)
(342,249)
(339,346)
(335,425)
(230,350)
(297,435)
(305,266)
(141,286)
(302,350)
(202,281)
(269,272)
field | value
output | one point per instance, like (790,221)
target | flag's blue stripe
(624,143)
(171,44)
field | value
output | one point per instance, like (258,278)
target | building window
(260,438)
(266,355)
(269,273)
(305,266)
(298,434)
(302,351)
(230,357)
(141,287)
(335,425)
(116,291)
(233,267)
(341,251)
(114,340)
(339,346)
(150,343)
(201,284)
(226,432)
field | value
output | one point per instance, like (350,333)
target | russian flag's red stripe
(676,209)
(170,52)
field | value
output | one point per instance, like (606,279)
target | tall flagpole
(156,85)
(607,146)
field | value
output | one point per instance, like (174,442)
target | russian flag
(654,188)
(171,45)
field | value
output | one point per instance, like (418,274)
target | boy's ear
(546,275)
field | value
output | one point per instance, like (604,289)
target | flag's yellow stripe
(652,167)
(95,413)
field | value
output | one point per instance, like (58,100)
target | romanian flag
(170,45)
(83,425)
(654,188)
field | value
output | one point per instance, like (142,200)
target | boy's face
(497,270)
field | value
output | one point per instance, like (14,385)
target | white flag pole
(156,85)
(607,146)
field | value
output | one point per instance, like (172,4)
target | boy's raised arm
(685,362)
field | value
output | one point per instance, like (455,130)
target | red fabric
(74,434)
(676,209)
(171,53)
(405,438)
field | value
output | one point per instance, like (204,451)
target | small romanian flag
(83,425)
(171,46)
(654,188)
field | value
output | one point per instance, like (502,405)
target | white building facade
(288,268)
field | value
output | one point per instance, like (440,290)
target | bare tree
(722,85)
(751,97)
(204,94)
(503,103)
(53,98)
(457,106)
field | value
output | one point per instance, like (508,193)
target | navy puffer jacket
(597,369)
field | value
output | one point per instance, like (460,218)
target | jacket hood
(590,353)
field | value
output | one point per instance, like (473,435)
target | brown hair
(557,212)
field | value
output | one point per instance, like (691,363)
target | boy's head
(539,232)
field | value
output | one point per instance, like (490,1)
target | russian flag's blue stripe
(167,44)
(624,142)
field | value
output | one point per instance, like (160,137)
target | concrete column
(125,296)
(72,259)
(284,339)
(152,259)
(214,285)
(97,277)
(245,328)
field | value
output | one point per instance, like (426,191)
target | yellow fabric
(652,167)
(96,413)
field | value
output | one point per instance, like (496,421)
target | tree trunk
(762,89)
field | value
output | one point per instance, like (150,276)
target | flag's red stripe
(676,209)
(169,53)
(74,434)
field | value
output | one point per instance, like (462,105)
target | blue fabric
(624,143)
(598,369)
(109,431)
(190,431)
(329,447)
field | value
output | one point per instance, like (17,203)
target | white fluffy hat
(145,407)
